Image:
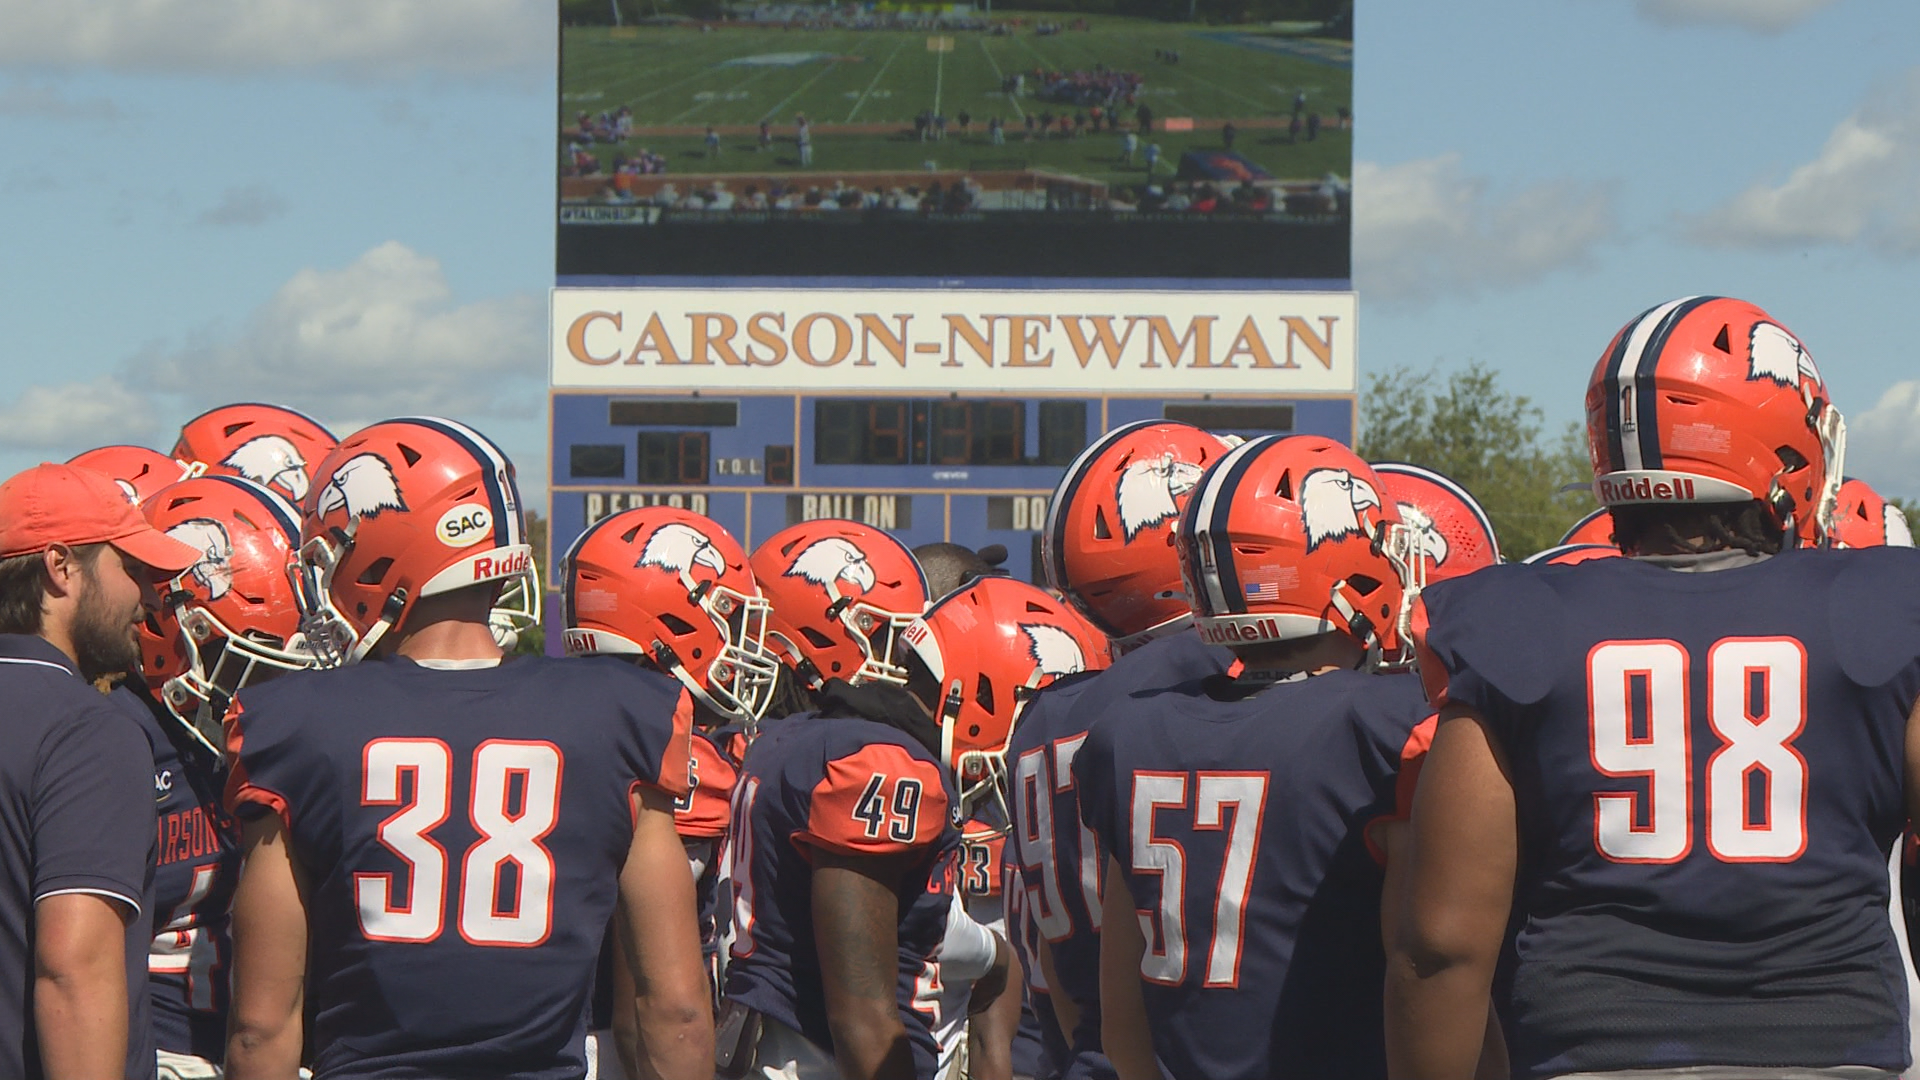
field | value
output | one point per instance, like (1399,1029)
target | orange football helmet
(1289,537)
(1107,543)
(673,587)
(1865,519)
(841,593)
(266,444)
(986,648)
(405,508)
(139,471)
(1709,400)
(1446,533)
(1569,554)
(232,619)
(1595,528)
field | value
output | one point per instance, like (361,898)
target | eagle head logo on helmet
(1053,650)
(677,548)
(271,461)
(1331,501)
(1432,543)
(214,571)
(1775,354)
(830,561)
(1148,491)
(363,486)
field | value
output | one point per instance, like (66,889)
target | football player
(227,622)
(841,594)
(139,471)
(1107,548)
(437,836)
(1244,887)
(1677,775)
(671,590)
(1445,534)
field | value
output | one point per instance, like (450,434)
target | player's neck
(450,627)
(1314,655)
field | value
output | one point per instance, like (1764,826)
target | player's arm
(80,985)
(1123,1011)
(994,1016)
(1913,765)
(1066,1011)
(856,928)
(269,957)
(659,936)
(1453,902)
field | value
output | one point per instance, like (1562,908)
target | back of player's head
(1106,545)
(673,588)
(1864,518)
(139,471)
(231,620)
(1708,401)
(841,593)
(1289,537)
(401,510)
(977,654)
(949,566)
(267,444)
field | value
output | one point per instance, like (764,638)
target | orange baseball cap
(65,504)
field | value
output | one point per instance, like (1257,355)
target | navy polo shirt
(76,816)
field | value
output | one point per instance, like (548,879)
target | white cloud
(46,102)
(1883,443)
(251,204)
(1766,16)
(1859,188)
(67,418)
(368,37)
(379,337)
(1426,228)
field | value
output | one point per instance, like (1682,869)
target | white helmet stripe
(1207,509)
(1633,355)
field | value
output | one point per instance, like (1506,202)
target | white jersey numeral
(1165,960)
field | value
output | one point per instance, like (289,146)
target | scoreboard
(971,470)
(933,414)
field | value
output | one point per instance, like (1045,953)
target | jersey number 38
(502,769)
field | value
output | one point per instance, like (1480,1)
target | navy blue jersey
(1708,769)
(196,865)
(1062,869)
(852,787)
(462,833)
(75,817)
(1241,828)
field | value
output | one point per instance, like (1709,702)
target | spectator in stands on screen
(1046,124)
(997,131)
(1227,133)
(719,198)
(1153,158)
(1180,199)
(1129,146)
(804,134)
(1293,129)
(922,121)
(665,196)
(752,199)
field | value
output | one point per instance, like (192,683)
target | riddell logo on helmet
(1645,490)
(1238,633)
(486,567)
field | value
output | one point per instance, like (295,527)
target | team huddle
(1286,774)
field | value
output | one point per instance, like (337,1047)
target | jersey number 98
(1756,789)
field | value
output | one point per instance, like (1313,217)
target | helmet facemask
(740,680)
(517,609)
(221,663)
(877,632)
(329,635)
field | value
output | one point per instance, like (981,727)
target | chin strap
(1832,429)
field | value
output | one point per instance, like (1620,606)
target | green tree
(1911,508)
(1488,441)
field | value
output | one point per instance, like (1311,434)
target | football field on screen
(861,90)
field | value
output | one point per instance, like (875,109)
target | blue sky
(345,206)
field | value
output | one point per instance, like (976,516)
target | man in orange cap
(78,569)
